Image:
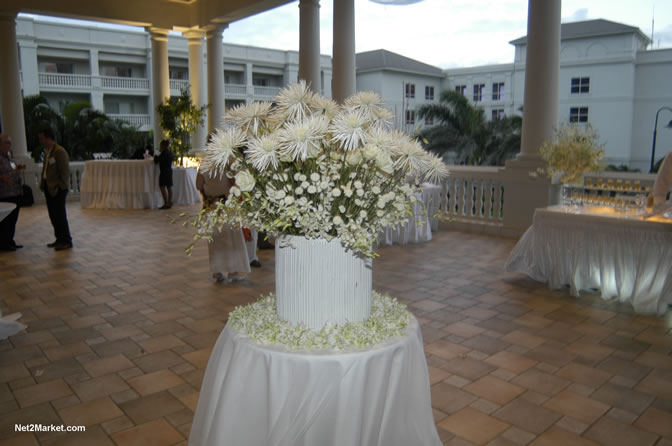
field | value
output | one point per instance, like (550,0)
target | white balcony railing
(176,85)
(64,80)
(266,91)
(474,195)
(235,90)
(136,120)
(124,83)
(33,176)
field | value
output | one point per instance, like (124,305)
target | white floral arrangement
(305,165)
(572,152)
(259,322)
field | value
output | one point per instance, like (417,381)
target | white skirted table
(132,184)
(420,225)
(431,197)
(6,208)
(255,395)
(629,258)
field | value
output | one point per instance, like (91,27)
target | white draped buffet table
(420,225)
(628,258)
(132,184)
(254,395)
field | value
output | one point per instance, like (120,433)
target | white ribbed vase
(318,281)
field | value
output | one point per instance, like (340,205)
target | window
(478,92)
(461,88)
(64,68)
(410,116)
(410,90)
(497,114)
(580,85)
(429,121)
(578,114)
(429,93)
(497,91)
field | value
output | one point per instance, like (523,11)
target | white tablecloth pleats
(417,229)
(132,184)
(260,395)
(626,258)
(431,197)
(6,208)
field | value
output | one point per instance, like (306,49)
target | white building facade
(111,69)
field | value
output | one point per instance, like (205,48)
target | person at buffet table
(663,184)
(165,161)
(226,250)
(55,184)
(11,191)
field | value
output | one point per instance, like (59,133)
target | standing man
(55,184)
(11,190)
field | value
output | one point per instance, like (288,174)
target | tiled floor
(121,327)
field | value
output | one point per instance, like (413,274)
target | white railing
(266,91)
(178,84)
(33,178)
(124,83)
(64,80)
(474,195)
(136,120)
(235,89)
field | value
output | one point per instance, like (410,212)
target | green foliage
(620,168)
(462,129)
(37,115)
(180,118)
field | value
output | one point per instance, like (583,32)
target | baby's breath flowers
(307,166)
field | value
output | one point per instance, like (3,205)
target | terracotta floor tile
(154,433)
(12,371)
(199,358)
(436,375)
(655,360)
(654,385)
(91,412)
(93,435)
(629,369)
(116,333)
(468,368)
(155,382)
(494,389)
(582,374)
(623,398)
(107,365)
(474,426)
(463,329)
(610,432)
(41,393)
(151,407)
(577,406)
(589,350)
(446,350)
(655,420)
(527,416)
(450,399)
(22,439)
(67,351)
(160,343)
(560,437)
(99,387)
(541,382)
(523,338)
(511,361)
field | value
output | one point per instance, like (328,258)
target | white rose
(235,191)
(353,158)
(245,181)
(336,192)
(314,177)
(338,220)
(312,189)
(384,162)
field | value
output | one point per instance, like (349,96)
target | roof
(590,28)
(387,60)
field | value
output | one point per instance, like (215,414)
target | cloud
(577,16)
(662,38)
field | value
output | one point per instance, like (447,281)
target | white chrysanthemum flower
(298,190)
(324,106)
(349,129)
(338,220)
(410,158)
(264,151)
(370,104)
(289,200)
(384,162)
(279,195)
(222,148)
(245,180)
(294,101)
(314,177)
(354,158)
(436,170)
(249,117)
(311,189)
(301,140)
(375,190)
(341,209)
(336,192)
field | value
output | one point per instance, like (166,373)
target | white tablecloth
(431,197)
(9,325)
(6,209)
(265,396)
(132,184)
(418,228)
(626,258)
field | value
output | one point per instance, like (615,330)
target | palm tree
(463,130)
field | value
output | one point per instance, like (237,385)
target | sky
(444,33)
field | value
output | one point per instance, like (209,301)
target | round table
(266,395)
(6,208)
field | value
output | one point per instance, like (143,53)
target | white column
(344,83)
(29,69)
(160,82)
(542,67)
(195,42)
(249,83)
(309,43)
(215,76)
(96,85)
(11,106)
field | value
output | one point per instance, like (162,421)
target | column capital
(215,29)
(159,34)
(194,35)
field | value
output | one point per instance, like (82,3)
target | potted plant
(180,118)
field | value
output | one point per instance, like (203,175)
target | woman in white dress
(227,250)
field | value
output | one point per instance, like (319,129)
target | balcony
(124,83)
(136,120)
(266,92)
(176,86)
(235,91)
(68,81)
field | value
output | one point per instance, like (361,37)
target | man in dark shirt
(165,161)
